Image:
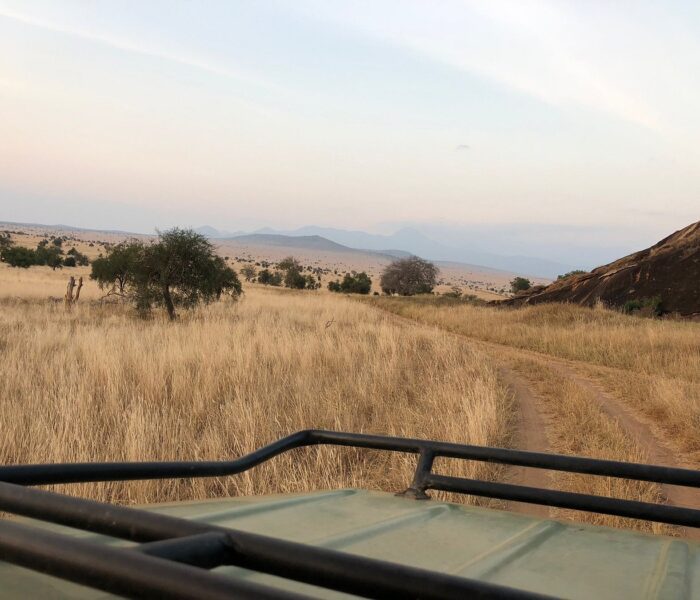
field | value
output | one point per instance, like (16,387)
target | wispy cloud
(534,48)
(129,46)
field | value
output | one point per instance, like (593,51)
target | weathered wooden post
(77,291)
(69,292)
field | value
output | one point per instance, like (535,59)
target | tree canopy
(409,276)
(118,268)
(181,269)
(293,276)
(520,284)
(353,283)
(18,256)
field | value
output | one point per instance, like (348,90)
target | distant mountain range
(404,241)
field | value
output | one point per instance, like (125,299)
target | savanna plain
(98,383)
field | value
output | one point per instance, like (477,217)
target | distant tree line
(352,283)
(288,272)
(178,270)
(48,253)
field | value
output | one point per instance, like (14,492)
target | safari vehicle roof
(547,556)
(373,544)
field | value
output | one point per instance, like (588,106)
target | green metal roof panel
(545,556)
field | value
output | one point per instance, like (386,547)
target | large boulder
(669,270)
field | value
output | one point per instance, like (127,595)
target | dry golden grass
(656,362)
(598,336)
(98,384)
(672,404)
(41,283)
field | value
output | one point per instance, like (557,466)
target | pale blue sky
(363,114)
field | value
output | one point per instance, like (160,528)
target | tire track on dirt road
(644,437)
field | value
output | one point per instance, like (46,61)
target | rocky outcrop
(669,270)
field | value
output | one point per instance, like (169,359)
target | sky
(550,117)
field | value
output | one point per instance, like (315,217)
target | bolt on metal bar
(424,465)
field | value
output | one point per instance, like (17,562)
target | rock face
(669,270)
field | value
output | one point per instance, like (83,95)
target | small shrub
(520,284)
(649,306)
(267,277)
(571,274)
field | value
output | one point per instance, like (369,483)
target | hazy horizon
(564,124)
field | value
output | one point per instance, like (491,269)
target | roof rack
(173,556)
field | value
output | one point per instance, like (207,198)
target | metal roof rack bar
(126,471)
(174,554)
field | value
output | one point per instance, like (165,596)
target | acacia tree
(181,269)
(248,271)
(117,270)
(409,276)
(49,255)
(293,277)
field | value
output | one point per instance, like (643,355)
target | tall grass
(98,384)
(597,336)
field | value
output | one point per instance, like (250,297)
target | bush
(248,271)
(312,283)
(571,274)
(651,306)
(69,261)
(267,277)
(409,276)
(80,258)
(118,269)
(353,283)
(19,256)
(520,284)
(49,255)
